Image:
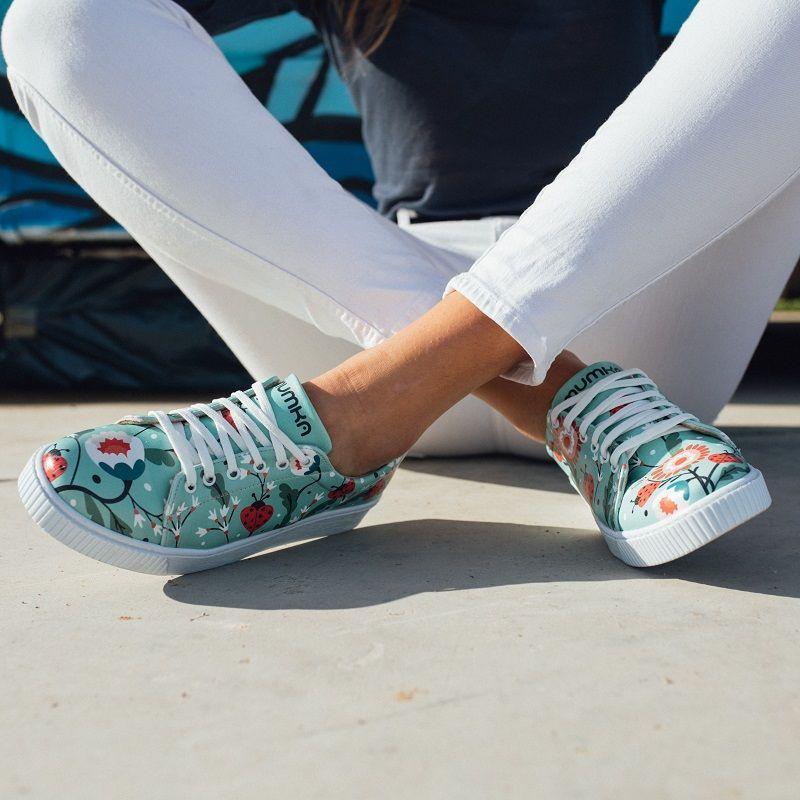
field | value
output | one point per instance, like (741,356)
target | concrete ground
(474,639)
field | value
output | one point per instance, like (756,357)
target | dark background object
(85,318)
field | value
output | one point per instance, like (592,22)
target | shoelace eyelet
(190,487)
(260,467)
(282,465)
(209,480)
(233,474)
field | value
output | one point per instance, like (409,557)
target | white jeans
(663,245)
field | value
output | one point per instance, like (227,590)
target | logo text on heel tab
(294,407)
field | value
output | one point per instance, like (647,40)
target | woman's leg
(141,108)
(704,144)
(681,190)
(634,167)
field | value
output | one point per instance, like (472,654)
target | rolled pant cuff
(488,301)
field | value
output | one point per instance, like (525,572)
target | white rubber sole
(706,520)
(62,522)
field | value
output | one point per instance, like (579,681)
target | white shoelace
(641,405)
(203,446)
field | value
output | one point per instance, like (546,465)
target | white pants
(663,245)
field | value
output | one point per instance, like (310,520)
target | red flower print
(678,462)
(342,491)
(566,443)
(114,447)
(588,487)
(724,458)
(645,493)
(667,505)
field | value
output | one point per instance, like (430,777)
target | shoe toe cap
(116,476)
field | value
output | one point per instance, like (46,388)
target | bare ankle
(526,407)
(361,439)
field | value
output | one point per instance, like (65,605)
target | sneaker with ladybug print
(199,487)
(659,482)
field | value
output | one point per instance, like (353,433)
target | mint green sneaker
(199,487)
(660,483)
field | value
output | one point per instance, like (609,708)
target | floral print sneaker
(198,487)
(660,483)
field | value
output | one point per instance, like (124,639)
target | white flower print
(668,503)
(116,453)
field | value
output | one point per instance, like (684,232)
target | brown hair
(365,23)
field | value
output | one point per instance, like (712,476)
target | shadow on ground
(379,564)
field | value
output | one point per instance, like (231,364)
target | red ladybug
(342,491)
(54,464)
(256,515)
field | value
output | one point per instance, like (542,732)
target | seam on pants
(364,331)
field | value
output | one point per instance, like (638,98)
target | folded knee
(47,40)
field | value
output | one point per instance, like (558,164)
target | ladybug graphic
(54,464)
(256,515)
(342,491)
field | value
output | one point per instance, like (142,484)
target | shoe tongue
(296,415)
(587,378)
(293,412)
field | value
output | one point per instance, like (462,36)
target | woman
(668,238)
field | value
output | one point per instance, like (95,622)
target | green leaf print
(93,511)
(220,491)
(289,497)
(161,457)
(120,526)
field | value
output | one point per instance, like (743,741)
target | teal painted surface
(675,13)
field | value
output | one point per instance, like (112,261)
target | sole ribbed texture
(62,522)
(702,523)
